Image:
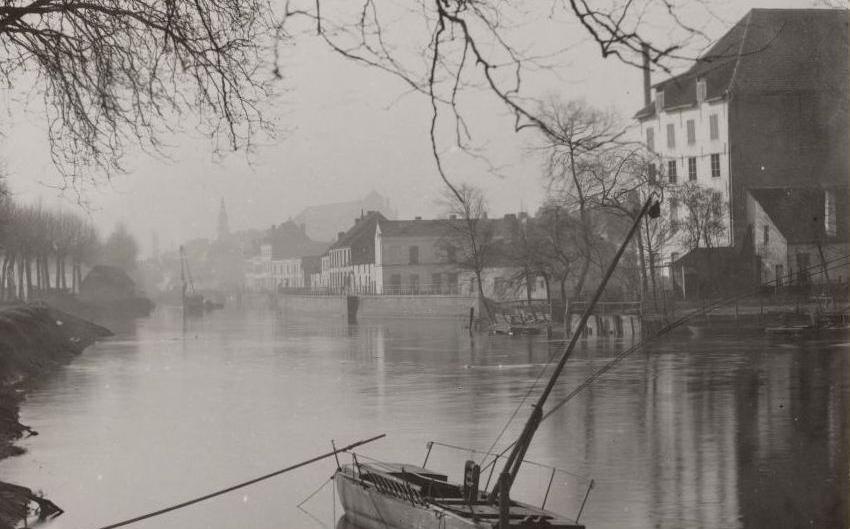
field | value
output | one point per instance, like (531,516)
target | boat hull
(368,509)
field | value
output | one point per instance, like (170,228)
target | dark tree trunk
(481,296)
(643,272)
(58,275)
(21,286)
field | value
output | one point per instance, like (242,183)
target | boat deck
(422,488)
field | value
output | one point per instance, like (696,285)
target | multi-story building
(764,108)
(286,259)
(427,257)
(349,265)
(418,257)
(415,257)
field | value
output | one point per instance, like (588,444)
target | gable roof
(417,228)
(502,227)
(361,238)
(798,213)
(768,50)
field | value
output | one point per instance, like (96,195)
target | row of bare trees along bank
(46,251)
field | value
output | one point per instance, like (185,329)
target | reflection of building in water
(792,430)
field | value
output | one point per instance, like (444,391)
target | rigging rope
(833,264)
(239,485)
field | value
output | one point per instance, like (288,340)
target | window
(716,201)
(829,218)
(692,168)
(713,131)
(451,254)
(651,173)
(671,171)
(780,274)
(671,136)
(766,234)
(701,90)
(659,101)
(500,287)
(395,283)
(674,211)
(692,132)
(715,166)
(650,139)
(436,283)
(413,252)
(414,283)
(451,280)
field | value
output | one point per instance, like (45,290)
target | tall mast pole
(511,468)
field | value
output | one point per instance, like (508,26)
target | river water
(701,431)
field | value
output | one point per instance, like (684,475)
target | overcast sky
(350,130)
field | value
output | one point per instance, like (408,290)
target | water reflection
(708,432)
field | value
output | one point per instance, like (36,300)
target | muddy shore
(35,339)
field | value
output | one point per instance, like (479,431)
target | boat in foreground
(391,495)
(394,496)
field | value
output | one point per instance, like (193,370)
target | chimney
(340,235)
(647,85)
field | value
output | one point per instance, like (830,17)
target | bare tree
(526,254)
(113,71)
(580,169)
(31,239)
(470,232)
(703,225)
(446,48)
(558,249)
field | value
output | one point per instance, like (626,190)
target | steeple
(223,227)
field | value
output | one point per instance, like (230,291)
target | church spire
(223,227)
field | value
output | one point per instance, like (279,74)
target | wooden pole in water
(504,501)
(471,318)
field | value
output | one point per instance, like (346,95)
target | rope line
(308,498)
(238,485)
(834,264)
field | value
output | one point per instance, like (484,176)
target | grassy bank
(34,340)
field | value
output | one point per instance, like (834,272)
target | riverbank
(35,339)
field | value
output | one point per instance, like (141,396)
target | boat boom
(514,461)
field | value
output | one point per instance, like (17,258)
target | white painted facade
(667,135)
(266,273)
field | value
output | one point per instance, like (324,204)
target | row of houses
(760,120)
(382,256)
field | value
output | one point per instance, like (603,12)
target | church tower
(223,227)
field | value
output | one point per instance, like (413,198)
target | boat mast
(511,468)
